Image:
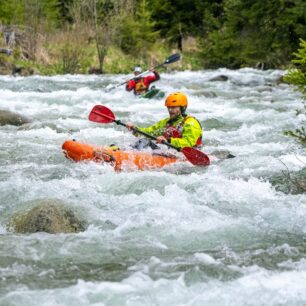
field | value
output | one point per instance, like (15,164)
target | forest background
(111,36)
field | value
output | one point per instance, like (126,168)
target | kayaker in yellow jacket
(179,129)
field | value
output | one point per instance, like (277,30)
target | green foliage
(297,77)
(137,31)
(70,58)
(177,19)
(298,133)
(232,33)
(50,13)
(63,7)
(191,61)
(11,12)
(28,12)
(255,32)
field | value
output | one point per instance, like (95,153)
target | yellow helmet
(176,99)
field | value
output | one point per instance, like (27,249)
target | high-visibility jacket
(141,85)
(181,132)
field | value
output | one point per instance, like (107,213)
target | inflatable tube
(120,160)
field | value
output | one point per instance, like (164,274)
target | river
(181,235)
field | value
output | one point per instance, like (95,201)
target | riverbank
(64,59)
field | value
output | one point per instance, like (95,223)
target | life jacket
(140,87)
(177,131)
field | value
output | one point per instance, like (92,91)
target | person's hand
(151,68)
(161,139)
(130,126)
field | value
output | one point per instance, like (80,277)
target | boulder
(222,154)
(221,78)
(48,215)
(8,117)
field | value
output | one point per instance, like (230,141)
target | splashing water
(181,235)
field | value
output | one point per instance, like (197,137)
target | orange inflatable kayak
(77,151)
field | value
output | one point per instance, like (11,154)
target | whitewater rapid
(181,235)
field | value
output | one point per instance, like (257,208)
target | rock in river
(8,117)
(48,215)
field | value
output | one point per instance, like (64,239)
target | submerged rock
(222,154)
(205,93)
(8,117)
(50,216)
(221,77)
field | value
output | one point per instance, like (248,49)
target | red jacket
(141,85)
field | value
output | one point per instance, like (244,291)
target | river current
(181,235)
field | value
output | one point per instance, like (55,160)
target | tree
(254,32)
(28,19)
(102,16)
(63,7)
(11,12)
(176,19)
(297,77)
(136,30)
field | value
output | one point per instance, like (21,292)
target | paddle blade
(196,157)
(101,114)
(173,58)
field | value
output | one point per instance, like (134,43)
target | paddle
(171,59)
(102,114)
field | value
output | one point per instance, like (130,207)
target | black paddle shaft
(171,59)
(195,156)
(147,135)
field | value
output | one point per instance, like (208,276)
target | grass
(71,52)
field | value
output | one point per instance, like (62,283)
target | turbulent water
(182,235)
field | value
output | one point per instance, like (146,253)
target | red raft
(77,151)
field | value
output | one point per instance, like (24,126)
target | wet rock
(6,51)
(281,80)
(260,66)
(23,71)
(222,154)
(94,70)
(290,182)
(8,117)
(50,216)
(206,94)
(221,78)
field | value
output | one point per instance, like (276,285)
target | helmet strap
(183,110)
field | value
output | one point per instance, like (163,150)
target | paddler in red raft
(139,84)
(180,129)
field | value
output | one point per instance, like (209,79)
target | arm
(191,132)
(157,129)
(130,85)
(152,78)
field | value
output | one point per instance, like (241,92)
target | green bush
(297,77)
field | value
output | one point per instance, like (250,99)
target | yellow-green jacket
(181,132)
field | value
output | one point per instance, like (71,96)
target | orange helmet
(176,99)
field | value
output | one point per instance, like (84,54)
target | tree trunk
(180,38)
(180,43)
